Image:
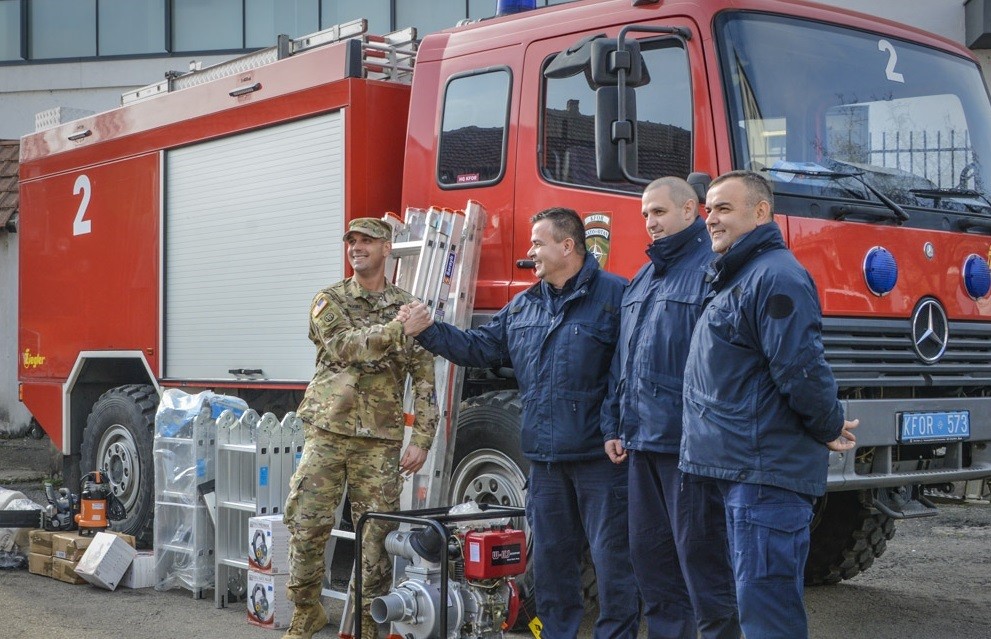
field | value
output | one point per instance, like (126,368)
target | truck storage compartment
(253,226)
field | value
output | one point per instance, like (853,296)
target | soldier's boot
(307,619)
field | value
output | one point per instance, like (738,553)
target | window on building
(664,122)
(473,129)
(378,13)
(128,27)
(478,9)
(205,25)
(10,30)
(266,19)
(62,29)
(429,16)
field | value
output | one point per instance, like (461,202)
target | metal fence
(940,158)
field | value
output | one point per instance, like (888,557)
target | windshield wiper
(938,195)
(841,212)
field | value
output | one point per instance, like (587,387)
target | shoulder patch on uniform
(319,307)
(780,306)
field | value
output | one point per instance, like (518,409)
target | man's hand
(615,451)
(846,440)
(412,460)
(403,314)
(419,318)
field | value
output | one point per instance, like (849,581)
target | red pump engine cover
(491,554)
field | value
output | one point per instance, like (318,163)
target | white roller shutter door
(253,227)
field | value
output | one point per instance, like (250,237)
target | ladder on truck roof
(389,57)
(435,256)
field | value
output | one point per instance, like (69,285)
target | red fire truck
(176,241)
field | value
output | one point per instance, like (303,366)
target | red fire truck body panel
(99,291)
(835,252)
(103,222)
(45,401)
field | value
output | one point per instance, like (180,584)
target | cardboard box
(40,543)
(71,545)
(268,605)
(40,564)
(141,572)
(106,560)
(64,570)
(268,545)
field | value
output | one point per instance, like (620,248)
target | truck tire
(489,468)
(118,439)
(847,535)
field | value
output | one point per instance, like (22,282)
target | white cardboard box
(141,572)
(268,545)
(105,561)
(268,605)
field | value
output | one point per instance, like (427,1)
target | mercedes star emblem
(930,330)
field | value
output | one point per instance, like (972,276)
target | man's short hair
(758,188)
(564,223)
(681,190)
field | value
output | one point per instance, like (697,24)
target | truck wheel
(847,535)
(489,468)
(118,439)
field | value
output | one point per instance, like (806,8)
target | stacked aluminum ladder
(435,256)
(256,456)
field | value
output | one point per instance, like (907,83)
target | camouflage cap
(370,226)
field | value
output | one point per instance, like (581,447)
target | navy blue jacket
(660,308)
(760,400)
(560,353)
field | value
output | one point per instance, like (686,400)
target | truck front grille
(878,352)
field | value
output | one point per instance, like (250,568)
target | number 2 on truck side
(80,225)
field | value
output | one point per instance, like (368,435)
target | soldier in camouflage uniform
(353,422)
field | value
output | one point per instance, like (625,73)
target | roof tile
(9,151)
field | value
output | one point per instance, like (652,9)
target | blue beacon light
(506,7)
(976,276)
(880,271)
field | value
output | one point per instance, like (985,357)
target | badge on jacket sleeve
(598,228)
(319,307)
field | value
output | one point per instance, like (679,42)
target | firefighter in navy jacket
(677,521)
(760,405)
(559,335)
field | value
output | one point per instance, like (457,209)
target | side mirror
(613,74)
(700,182)
(614,136)
(606,62)
(616,73)
(573,60)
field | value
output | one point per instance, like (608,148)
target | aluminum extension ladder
(435,255)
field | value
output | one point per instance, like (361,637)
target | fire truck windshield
(810,104)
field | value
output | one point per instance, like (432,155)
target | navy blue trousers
(569,504)
(769,543)
(680,552)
